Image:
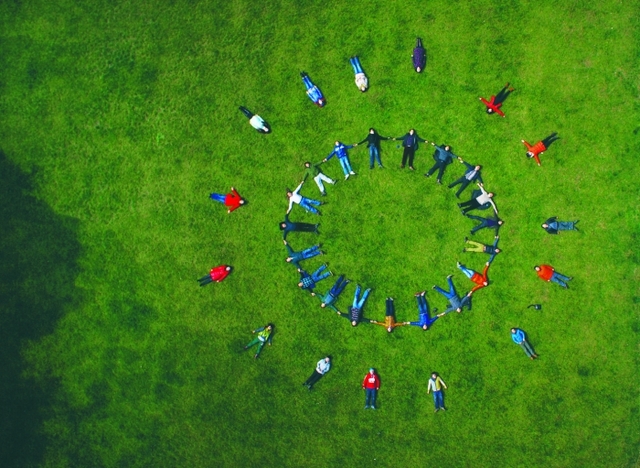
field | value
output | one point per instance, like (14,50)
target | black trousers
(313,378)
(550,139)
(246,112)
(464,184)
(502,95)
(469,205)
(440,166)
(408,154)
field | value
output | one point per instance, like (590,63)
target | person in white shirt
(256,121)
(480,199)
(322,368)
(436,384)
(361,79)
(304,202)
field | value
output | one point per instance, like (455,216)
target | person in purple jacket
(419,56)
(340,150)
(492,222)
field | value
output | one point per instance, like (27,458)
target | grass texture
(117,119)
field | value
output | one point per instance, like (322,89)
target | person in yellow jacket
(263,335)
(437,384)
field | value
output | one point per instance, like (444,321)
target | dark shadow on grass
(38,267)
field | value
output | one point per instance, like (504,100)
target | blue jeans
(374,154)
(219,197)
(359,304)
(346,165)
(526,347)
(308,204)
(560,279)
(370,396)
(448,294)
(355,63)
(339,286)
(307,82)
(467,272)
(310,252)
(438,399)
(318,276)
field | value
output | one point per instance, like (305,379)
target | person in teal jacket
(518,336)
(263,335)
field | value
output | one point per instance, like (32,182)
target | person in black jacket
(410,142)
(442,157)
(373,143)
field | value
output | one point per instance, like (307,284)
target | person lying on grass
(535,151)
(361,79)
(322,367)
(419,56)
(313,91)
(553,226)
(216,274)
(390,317)
(233,200)
(519,337)
(492,250)
(355,311)
(549,274)
(481,280)
(340,150)
(424,318)
(307,203)
(255,120)
(410,142)
(330,297)
(491,222)
(308,281)
(263,335)
(287,226)
(373,143)
(442,157)
(456,303)
(480,200)
(495,103)
(296,257)
(318,176)
(472,174)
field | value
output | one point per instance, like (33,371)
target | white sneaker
(346,177)
(352,173)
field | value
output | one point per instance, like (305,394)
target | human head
(372,371)
(537,268)
(363,88)
(434,375)
(372,130)
(283,226)
(500,223)
(447,148)
(425,327)
(545,225)
(327,359)
(529,154)
(321,102)
(418,69)
(412,131)
(242,202)
(300,285)
(354,323)
(489,110)
(477,168)
(289,193)
(228,268)
(288,259)
(490,194)
(267,129)
(498,250)
(513,330)
(307,164)
(389,329)
(323,305)
(270,326)
(337,143)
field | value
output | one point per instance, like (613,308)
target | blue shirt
(340,151)
(314,94)
(518,336)
(424,319)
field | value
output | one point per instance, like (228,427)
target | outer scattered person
(263,335)
(519,337)
(322,367)
(371,385)
(553,226)
(232,200)
(548,273)
(313,91)
(256,121)
(495,103)
(361,78)
(216,274)
(534,151)
(436,384)
(419,56)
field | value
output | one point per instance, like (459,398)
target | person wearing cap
(419,56)
(371,385)
(232,200)
(436,384)
(361,79)
(322,367)
(313,91)
(256,121)
(216,274)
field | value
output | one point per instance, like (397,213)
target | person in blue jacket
(442,157)
(518,336)
(424,318)
(313,91)
(491,222)
(355,311)
(331,296)
(410,142)
(455,302)
(296,257)
(472,174)
(340,150)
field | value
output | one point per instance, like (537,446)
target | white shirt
(323,366)
(257,122)
(485,198)
(295,197)
(361,81)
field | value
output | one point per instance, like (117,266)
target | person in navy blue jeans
(313,91)
(355,311)
(296,257)
(455,302)
(472,174)
(410,143)
(373,142)
(340,150)
(442,157)
(308,281)
(424,318)
(491,222)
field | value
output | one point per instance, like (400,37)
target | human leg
(433,169)
(315,376)
(441,171)
(405,155)
(318,180)
(357,66)
(555,278)
(307,82)
(219,197)
(456,182)
(467,271)
(526,348)
(567,226)
(370,398)
(260,346)
(561,276)
(356,297)
(307,204)
(344,163)
(363,299)
(246,112)
(352,61)
(315,276)
(412,154)
(253,342)
(422,305)
(339,286)
(205,280)
(550,139)
(374,154)
(452,288)
(464,185)
(419,42)
(477,246)
(390,310)
(310,252)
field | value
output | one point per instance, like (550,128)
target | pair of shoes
(333,182)
(419,294)
(309,387)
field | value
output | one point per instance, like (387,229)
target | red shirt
(233,199)
(371,381)
(491,105)
(219,273)
(480,279)
(546,272)
(536,149)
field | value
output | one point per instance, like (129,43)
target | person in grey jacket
(322,367)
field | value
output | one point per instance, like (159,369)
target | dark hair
(373,130)
(447,147)
(435,373)
(489,110)
(289,190)
(273,327)
(283,226)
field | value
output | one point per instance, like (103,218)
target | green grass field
(118,119)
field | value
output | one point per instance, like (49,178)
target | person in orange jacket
(548,273)
(534,151)
(390,317)
(233,200)
(216,274)
(371,385)
(481,280)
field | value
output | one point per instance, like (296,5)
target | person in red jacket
(481,280)
(371,384)
(216,274)
(495,103)
(534,151)
(233,200)
(548,273)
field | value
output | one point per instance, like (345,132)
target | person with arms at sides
(371,385)
(264,335)
(481,280)
(472,174)
(355,311)
(410,142)
(331,296)
(232,200)
(480,200)
(256,121)
(553,226)
(313,91)
(549,274)
(340,150)
(436,384)
(216,274)
(492,250)
(491,222)
(361,79)
(455,303)
(296,257)
(495,103)
(442,157)
(390,317)
(287,226)
(419,56)
(424,318)
(307,203)
(322,367)
(373,143)
(519,337)
(534,151)
(318,176)
(308,281)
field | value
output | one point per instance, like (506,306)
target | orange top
(536,150)
(546,272)
(482,280)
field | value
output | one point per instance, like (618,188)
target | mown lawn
(118,119)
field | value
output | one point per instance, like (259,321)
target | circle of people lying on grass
(443,156)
